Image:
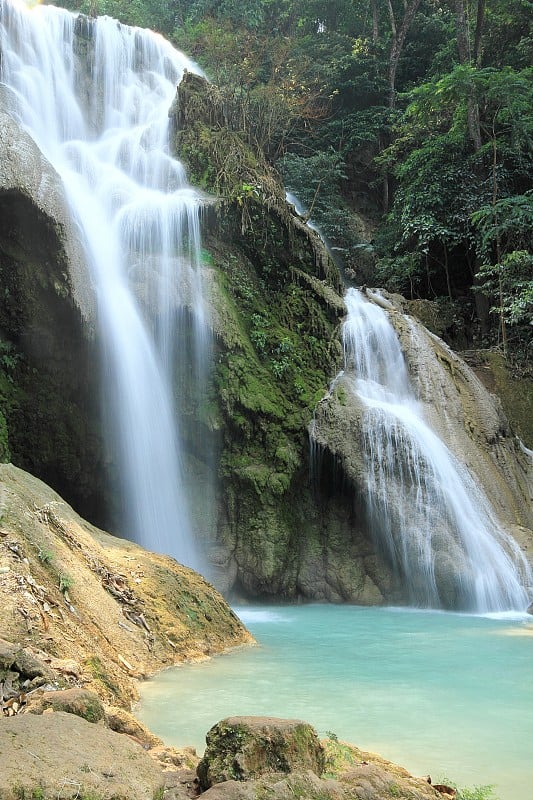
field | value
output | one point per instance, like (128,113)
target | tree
(506,274)
(398,35)
(441,181)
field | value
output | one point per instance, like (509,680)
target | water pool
(446,694)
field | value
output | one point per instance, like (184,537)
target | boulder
(22,661)
(121,721)
(302,784)
(80,702)
(243,748)
(348,773)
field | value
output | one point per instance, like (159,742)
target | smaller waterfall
(427,515)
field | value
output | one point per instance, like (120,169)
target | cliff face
(275,296)
(276,306)
(48,369)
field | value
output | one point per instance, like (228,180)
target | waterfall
(427,515)
(95,96)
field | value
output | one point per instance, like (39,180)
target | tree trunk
(375,21)
(398,40)
(465,57)
(503,325)
(480,21)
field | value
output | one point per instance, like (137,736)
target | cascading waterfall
(425,510)
(95,96)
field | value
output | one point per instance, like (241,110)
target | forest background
(404,127)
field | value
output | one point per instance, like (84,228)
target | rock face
(241,748)
(466,417)
(276,305)
(49,411)
(103,611)
(272,530)
(32,196)
(470,420)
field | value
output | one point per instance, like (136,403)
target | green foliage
(65,582)
(317,182)
(459,214)
(476,793)
(20,792)
(506,276)
(307,83)
(511,281)
(9,358)
(45,556)
(5,455)
(10,361)
(159,15)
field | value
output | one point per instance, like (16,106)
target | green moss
(340,394)
(276,312)
(92,712)
(96,669)
(339,756)
(20,792)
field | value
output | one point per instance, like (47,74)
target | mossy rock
(81,702)
(514,391)
(243,748)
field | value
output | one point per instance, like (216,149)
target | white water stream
(95,97)
(426,511)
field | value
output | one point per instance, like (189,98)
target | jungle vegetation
(405,128)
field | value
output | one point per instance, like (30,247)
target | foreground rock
(248,758)
(246,747)
(59,755)
(83,616)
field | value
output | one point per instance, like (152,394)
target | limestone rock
(243,748)
(28,666)
(121,721)
(61,755)
(467,418)
(129,612)
(80,702)
(369,782)
(26,174)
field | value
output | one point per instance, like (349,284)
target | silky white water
(426,513)
(445,694)
(95,96)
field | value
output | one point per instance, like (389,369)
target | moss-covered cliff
(276,308)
